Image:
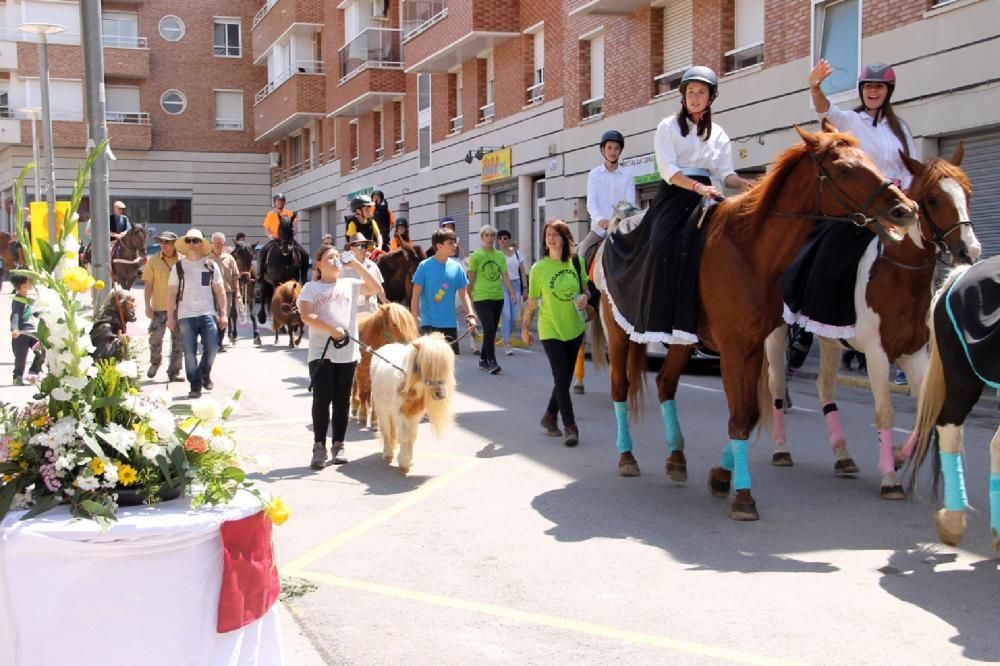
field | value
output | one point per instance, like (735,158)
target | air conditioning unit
(275,159)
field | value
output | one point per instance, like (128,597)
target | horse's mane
(934,172)
(740,215)
(396,317)
(431,360)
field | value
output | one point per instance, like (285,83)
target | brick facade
(283,14)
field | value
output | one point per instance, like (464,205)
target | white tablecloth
(146,591)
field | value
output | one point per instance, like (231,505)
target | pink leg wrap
(885,462)
(837,438)
(778,431)
(909,445)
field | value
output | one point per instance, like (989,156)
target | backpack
(180,278)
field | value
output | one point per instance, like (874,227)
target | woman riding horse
(281,261)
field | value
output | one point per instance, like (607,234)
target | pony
(392,322)
(10,251)
(285,312)
(397,269)
(750,240)
(109,326)
(282,260)
(244,256)
(408,381)
(891,297)
(965,346)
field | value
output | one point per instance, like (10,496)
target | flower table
(146,591)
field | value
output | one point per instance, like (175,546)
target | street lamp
(42,32)
(32,112)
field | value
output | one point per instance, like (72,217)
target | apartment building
(490,110)
(179,82)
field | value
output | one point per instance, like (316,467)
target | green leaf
(179,459)
(44,503)
(7,492)
(181,409)
(96,510)
(164,466)
(234,473)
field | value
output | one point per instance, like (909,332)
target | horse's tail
(636,374)
(764,401)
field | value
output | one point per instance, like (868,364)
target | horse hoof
(676,467)
(782,459)
(628,465)
(388,459)
(895,492)
(845,467)
(996,540)
(951,526)
(404,470)
(719,481)
(744,508)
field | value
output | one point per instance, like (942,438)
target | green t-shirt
(557,284)
(489,267)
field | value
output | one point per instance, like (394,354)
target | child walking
(23,326)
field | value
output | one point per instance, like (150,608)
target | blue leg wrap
(995,502)
(727,458)
(741,471)
(675,440)
(624,440)
(955,498)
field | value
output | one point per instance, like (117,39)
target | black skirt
(819,285)
(651,271)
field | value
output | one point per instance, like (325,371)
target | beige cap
(119,204)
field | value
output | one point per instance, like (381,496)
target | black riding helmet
(278,195)
(361,201)
(704,75)
(613,135)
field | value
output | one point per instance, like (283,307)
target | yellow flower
(41,421)
(99,284)
(78,279)
(13,450)
(277,511)
(126,475)
(217,431)
(97,465)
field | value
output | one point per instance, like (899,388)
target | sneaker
(485,366)
(152,371)
(495,368)
(551,424)
(175,378)
(337,456)
(18,381)
(222,349)
(508,350)
(572,436)
(207,384)
(900,379)
(194,395)
(319,456)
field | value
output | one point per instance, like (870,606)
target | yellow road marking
(688,647)
(355,446)
(432,486)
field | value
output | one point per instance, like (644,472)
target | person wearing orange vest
(273,217)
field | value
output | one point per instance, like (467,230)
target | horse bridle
(938,240)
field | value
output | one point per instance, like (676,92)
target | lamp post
(42,32)
(33,112)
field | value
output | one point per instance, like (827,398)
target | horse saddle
(972,304)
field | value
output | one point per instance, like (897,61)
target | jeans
(207,327)
(331,389)
(508,320)
(562,360)
(488,313)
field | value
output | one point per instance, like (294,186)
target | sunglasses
(196,241)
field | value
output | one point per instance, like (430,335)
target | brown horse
(392,322)
(10,251)
(750,240)
(397,269)
(128,254)
(892,295)
(244,256)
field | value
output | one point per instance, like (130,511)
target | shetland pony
(390,323)
(750,241)
(109,326)
(964,340)
(892,294)
(409,381)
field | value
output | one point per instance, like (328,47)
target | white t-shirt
(198,298)
(514,266)
(368,303)
(335,303)
(879,142)
(674,152)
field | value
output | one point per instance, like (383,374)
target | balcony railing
(298,67)
(374,47)
(7,112)
(744,57)
(262,12)
(592,107)
(379,154)
(456,125)
(355,163)
(128,117)
(536,93)
(124,42)
(418,15)
(486,113)
(229,123)
(398,146)
(667,81)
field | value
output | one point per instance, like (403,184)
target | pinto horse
(392,322)
(891,296)
(397,269)
(965,349)
(283,260)
(244,256)
(750,240)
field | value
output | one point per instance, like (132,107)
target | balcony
(126,57)
(129,130)
(124,42)
(374,48)
(8,56)
(611,7)
(289,101)
(456,125)
(468,28)
(668,81)
(536,93)
(486,113)
(398,147)
(127,117)
(591,108)
(279,18)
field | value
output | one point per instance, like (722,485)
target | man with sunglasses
(155,274)
(361,247)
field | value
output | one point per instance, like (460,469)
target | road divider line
(567,624)
(295,566)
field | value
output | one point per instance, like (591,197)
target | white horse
(408,381)
(892,293)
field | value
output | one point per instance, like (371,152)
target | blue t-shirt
(439,282)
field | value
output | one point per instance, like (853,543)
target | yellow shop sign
(495,166)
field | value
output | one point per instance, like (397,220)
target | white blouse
(675,152)
(879,142)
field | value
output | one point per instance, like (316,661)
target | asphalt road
(504,546)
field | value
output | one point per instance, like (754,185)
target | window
(424,121)
(5,110)
(379,151)
(355,144)
(228,109)
(397,128)
(121,30)
(836,30)
(536,89)
(173,102)
(123,105)
(226,39)
(455,103)
(677,45)
(66,97)
(594,105)
(488,110)
(749,35)
(171,28)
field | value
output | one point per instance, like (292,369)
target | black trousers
(489,317)
(450,334)
(562,359)
(331,389)
(21,345)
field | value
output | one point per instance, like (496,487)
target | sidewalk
(297,648)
